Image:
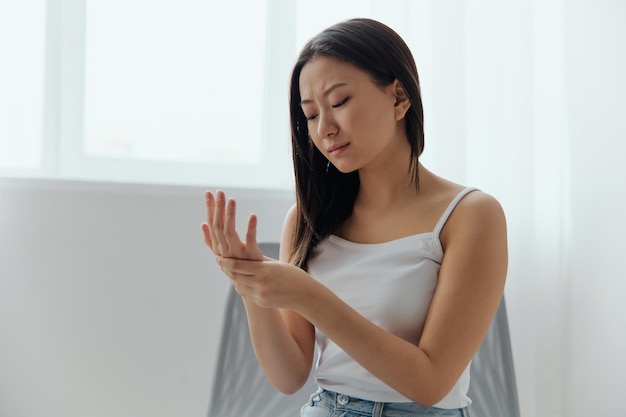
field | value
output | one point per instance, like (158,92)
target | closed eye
(334,106)
(342,102)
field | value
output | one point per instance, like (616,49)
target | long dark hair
(324,196)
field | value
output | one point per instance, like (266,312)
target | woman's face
(351,120)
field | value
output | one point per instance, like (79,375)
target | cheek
(376,120)
(316,143)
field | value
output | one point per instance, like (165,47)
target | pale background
(110,305)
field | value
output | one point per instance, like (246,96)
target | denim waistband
(341,403)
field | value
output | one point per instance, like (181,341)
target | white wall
(110,305)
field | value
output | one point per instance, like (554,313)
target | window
(22,51)
(173,92)
(179,92)
(173,72)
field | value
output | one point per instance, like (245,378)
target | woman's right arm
(283,341)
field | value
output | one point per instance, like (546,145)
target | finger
(242,287)
(230,232)
(218,224)
(206,234)
(242,267)
(252,247)
(210,204)
(241,281)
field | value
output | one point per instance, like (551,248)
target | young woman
(394,272)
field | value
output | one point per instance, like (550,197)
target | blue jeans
(331,404)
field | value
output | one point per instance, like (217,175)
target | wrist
(310,297)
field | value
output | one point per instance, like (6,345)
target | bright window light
(175,81)
(190,92)
(22,54)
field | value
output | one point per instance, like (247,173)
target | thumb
(252,247)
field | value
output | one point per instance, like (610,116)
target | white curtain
(523,99)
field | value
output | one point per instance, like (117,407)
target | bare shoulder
(480,204)
(289,227)
(477,214)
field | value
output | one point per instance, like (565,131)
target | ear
(402,103)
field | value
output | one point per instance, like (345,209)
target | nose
(326,125)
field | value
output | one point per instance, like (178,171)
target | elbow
(426,400)
(430,386)
(429,396)
(290,386)
(288,390)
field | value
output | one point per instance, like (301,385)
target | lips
(335,149)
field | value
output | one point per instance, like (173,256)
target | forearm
(285,363)
(283,341)
(397,362)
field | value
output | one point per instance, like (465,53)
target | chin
(345,169)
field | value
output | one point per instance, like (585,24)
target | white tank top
(392,285)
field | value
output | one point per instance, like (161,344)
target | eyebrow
(327,92)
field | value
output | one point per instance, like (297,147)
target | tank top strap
(444,217)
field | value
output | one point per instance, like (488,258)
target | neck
(389,185)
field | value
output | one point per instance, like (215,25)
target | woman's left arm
(470,285)
(469,289)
